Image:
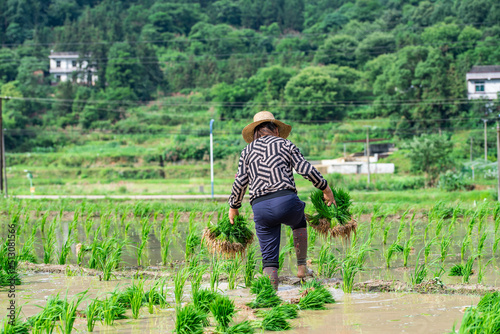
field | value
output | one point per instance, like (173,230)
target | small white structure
(67,66)
(483,82)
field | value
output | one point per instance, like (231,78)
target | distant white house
(67,66)
(483,82)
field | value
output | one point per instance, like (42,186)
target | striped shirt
(266,165)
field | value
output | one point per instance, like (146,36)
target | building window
(58,78)
(73,63)
(479,86)
(58,63)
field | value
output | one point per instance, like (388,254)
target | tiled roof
(485,69)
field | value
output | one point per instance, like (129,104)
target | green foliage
(451,181)
(430,154)
(275,320)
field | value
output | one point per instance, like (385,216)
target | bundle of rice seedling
(334,220)
(244,327)
(314,296)
(275,320)
(266,295)
(189,320)
(226,238)
(290,311)
(316,285)
(223,310)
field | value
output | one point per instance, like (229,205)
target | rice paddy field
(127,266)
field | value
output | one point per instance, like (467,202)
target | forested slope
(164,66)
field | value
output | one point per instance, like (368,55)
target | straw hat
(262,117)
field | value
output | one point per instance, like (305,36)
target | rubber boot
(300,243)
(272,272)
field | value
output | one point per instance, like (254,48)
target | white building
(483,82)
(67,66)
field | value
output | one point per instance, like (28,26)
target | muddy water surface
(355,313)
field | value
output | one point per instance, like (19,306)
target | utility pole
(368,151)
(498,159)
(212,156)
(485,140)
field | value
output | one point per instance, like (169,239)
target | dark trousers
(268,217)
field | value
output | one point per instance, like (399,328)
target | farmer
(266,165)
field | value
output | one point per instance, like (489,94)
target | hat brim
(284,129)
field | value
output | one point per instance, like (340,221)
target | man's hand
(328,195)
(233,213)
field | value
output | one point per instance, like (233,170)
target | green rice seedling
(165,242)
(402,226)
(27,252)
(89,224)
(427,249)
(275,320)
(407,247)
(489,302)
(419,273)
(92,313)
(146,228)
(439,227)
(179,282)
(197,276)
(233,268)
(386,232)
(328,264)
(193,241)
(480,274)
(189,320)
(226,238)
(66,247)
(52,312)
(49,243)
(445,247)
(350,268)
(393,249)
(216,268)
(265,294)
(191,220)
(223,310)
(137,299)
(465,244)
(203,298)
(282,254)
(68,314)
(112,310)
(496,224)
(467,269)
(495,246)
(480,244)
(16,326)
(175,220)
(250,266)
(426,231)
(244,327)
(485,318)
(157,294)
(312,234)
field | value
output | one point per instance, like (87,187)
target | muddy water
(355,313)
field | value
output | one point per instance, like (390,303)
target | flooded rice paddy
(354,313)
(151,241)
